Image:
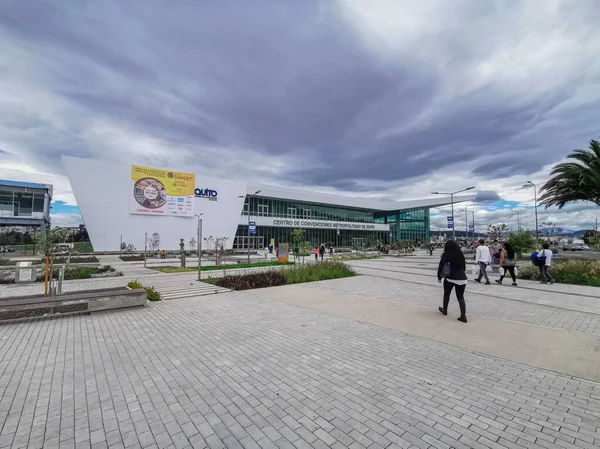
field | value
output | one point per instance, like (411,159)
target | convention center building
(129,204)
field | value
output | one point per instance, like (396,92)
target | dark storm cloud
(282,79)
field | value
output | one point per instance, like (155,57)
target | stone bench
(73,302)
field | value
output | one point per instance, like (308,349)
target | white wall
(102,191)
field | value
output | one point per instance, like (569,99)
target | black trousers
(511,270)
(460,296)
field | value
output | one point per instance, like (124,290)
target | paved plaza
(363,362)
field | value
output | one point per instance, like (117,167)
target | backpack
(538,261)
(446,270)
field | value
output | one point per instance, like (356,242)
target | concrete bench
(72,302)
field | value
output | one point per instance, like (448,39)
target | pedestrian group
(452,269)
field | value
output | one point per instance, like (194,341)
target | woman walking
(452,268)
(508,261)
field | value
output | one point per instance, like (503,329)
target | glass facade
(405,225)
(15,203)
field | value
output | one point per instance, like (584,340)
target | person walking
(322,251)
(452,268)
(508,261)
(316,253)
(546,257)
(483,259)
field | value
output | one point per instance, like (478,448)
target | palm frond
(576,180)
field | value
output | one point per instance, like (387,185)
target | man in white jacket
(483,259)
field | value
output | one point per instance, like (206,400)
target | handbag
(446,270)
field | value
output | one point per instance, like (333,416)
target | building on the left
(25,204)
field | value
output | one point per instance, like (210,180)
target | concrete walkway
(571,353)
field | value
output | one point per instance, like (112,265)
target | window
(291,212)
(38,202)
(306,214)
(24,202)
(263,210)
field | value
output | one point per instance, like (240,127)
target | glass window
(263,210)
(24,203)
(292,212)
(306,213)
(6,202)
(38,202)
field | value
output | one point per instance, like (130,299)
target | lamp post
(529,183)
(452,205)
(199,245)
(249,196)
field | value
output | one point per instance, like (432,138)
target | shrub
(132,258)
(85,259)
(309,273)
(7,280)
(83,247)
(151,293)
(134,285)
(7,262)
(252,280)
(82,273)
(319,272)
(571,271)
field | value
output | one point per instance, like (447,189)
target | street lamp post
(529,183)
(199,246)
(452,205)
(250,196)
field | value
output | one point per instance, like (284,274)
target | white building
(125,203)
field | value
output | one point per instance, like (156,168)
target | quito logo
(211,195)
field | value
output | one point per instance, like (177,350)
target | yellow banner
(158,191)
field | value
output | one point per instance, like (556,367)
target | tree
(576,180)
(48,240)
(155,241)
(192,243)
(297,237)
(522,242)
(495,232)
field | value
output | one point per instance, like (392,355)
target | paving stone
(243,372)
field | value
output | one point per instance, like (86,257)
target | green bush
(134,285)
(83,247)
(132,257)
(84,259)
(220,267)
(308,273)
(7,262)
(151,293)
(318,272)
(571,271)
(81,273)
(252,280)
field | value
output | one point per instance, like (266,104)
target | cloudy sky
(377,98)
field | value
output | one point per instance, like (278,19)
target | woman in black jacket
(456,278)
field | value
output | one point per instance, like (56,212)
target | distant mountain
(550,231)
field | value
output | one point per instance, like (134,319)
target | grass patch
(83,247)
(318,272)
(308,273)
(220,267)
(570,271)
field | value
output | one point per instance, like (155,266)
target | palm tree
(576,180)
